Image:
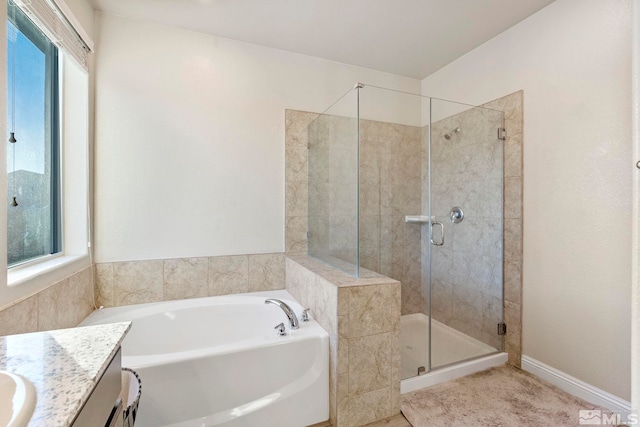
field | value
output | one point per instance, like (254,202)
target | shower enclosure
(411,187)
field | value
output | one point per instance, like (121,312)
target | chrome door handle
(442,229)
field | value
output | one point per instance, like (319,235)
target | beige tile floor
(501,396)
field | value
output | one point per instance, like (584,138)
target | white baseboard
(576,387)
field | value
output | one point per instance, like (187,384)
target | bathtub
(219,362)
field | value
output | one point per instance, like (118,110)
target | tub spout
(293,320)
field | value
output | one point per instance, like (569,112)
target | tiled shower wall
(62,305)
(390,188)
(512,106)
(466,272)
(296,180)
(333,210)
(468,278)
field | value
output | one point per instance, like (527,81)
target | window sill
(47,272)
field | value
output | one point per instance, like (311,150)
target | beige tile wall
(390,188)
(67,302)
(296,176)
(512,105)
(468,278)
(137,282)
(362,317)
(62,305)
(333,210)
(466,272)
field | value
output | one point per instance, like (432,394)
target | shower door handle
(442,229)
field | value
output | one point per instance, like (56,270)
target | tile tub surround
(63,365)
(138,282)
(62,305)
(362,317)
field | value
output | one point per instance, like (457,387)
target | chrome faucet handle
(305,315)
(281,329)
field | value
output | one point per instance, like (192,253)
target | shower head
(447,136)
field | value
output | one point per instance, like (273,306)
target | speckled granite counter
(64,366)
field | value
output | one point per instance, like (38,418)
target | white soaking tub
(219,362)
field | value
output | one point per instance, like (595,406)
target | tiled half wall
(362,317)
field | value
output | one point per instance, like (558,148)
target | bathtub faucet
(293,320)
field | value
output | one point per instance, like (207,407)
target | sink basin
(17,400)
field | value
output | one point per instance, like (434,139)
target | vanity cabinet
(75,372)
(102,402)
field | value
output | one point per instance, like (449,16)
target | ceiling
(412,38)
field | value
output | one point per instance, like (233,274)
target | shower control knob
(638,164)
(456,214)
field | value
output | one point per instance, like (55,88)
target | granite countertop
(64,366)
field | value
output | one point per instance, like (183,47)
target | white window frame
(28,278)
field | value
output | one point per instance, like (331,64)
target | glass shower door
(466,228)
(411,187)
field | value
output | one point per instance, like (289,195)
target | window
(33,161)
(47,168)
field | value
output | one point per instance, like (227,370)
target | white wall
(573,61)
(190,138)
(82,11)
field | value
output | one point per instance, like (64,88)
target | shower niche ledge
(422,219)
